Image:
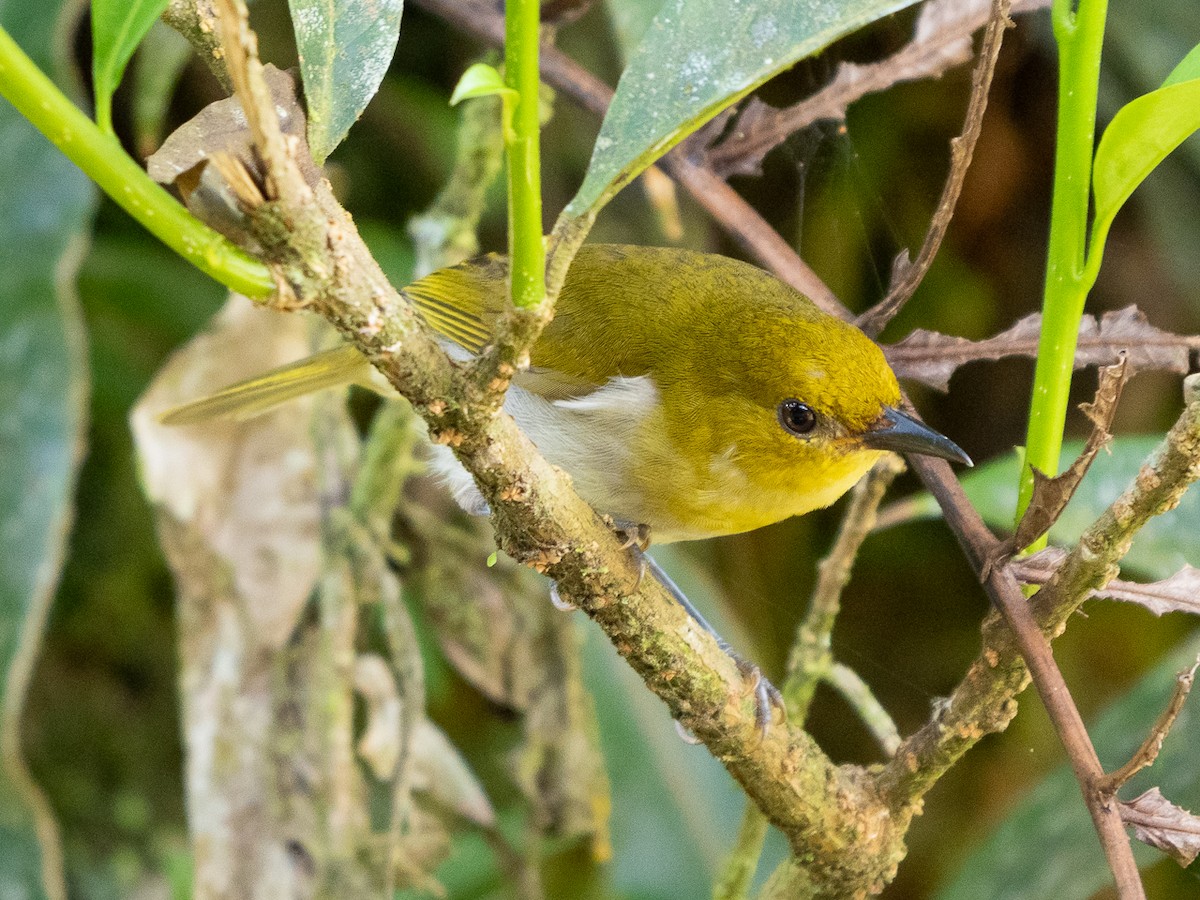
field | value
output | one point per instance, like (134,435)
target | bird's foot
(633,534)
(767,697)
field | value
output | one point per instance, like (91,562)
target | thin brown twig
(1148,752)
(1056,697)
(983,701)
(906,276)
(937,46)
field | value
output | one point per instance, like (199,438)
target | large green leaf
(1142,42)
(1160,549)
(345,48)
(45,205)
(1140,136)
(630,21)
(1047,846)
(696,58)
(118,26)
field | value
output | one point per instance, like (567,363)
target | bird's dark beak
(896,430)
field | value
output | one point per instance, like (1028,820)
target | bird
(687,394)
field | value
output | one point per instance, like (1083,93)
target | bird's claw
(767,697)
(634,534)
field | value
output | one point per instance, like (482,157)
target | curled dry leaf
(242,495)
(220,130)
(1160,823)
(1051,495)
(932,358)
(1179,593)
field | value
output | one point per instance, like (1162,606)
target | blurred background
(102,730)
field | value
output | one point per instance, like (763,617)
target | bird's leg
(637,538)
(766,695)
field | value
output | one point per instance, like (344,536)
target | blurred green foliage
(102,731)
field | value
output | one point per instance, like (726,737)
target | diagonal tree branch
(826,811)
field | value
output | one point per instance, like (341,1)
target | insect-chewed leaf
(1160,823)
(931,358)
(1179,593)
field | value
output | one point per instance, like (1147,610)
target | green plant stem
(737,874)
(526,250)
(1080,34)
(103,160)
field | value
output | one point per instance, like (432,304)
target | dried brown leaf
(931,358)
(941,41)
(1160,823)
(1178,593)
(1051,495)
(220,129)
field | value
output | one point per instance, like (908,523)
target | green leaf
(1140,136)
(1160,549)
(631,20)
(345,49)
(481,80)
(1187,69)
(46,205)
(1047,847)
(118,26)
(697,58)
(165,55)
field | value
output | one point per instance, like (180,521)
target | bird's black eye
(797,417)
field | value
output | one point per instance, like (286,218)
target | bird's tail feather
(332,368)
